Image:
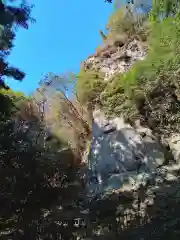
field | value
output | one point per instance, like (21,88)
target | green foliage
(11,18)
(16,97)
(140,91)
(103,36)
(89,86)
(35,170)
(163,9)
(123,21)
(10,103)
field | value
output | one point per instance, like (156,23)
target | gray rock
(174,144)
(118,151)
(115,62)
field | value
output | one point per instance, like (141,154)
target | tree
(65,116)
(164,8)
(125,21)
(103,36)
(159,8)
(34,170)
(11,18)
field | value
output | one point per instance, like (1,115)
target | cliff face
(121,155)
(115,58)
(125,157)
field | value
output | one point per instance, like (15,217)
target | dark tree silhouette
(11,18)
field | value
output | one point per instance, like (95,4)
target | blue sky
(65,33)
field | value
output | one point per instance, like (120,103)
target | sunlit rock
(120,155)
(119,60)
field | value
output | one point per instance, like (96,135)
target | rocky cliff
(122,155)
(116,57)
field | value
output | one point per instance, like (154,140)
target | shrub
(124,21)
(150,89)
(89,86)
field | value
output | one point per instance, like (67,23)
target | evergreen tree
(11,18)
(103,36)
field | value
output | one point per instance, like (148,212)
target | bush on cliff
(124,21)
(89,86)
(150,89)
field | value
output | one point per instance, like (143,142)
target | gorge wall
(122,156)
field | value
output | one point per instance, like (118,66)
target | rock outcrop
(174,145)
(115,59)
(121,155)
(117,150)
